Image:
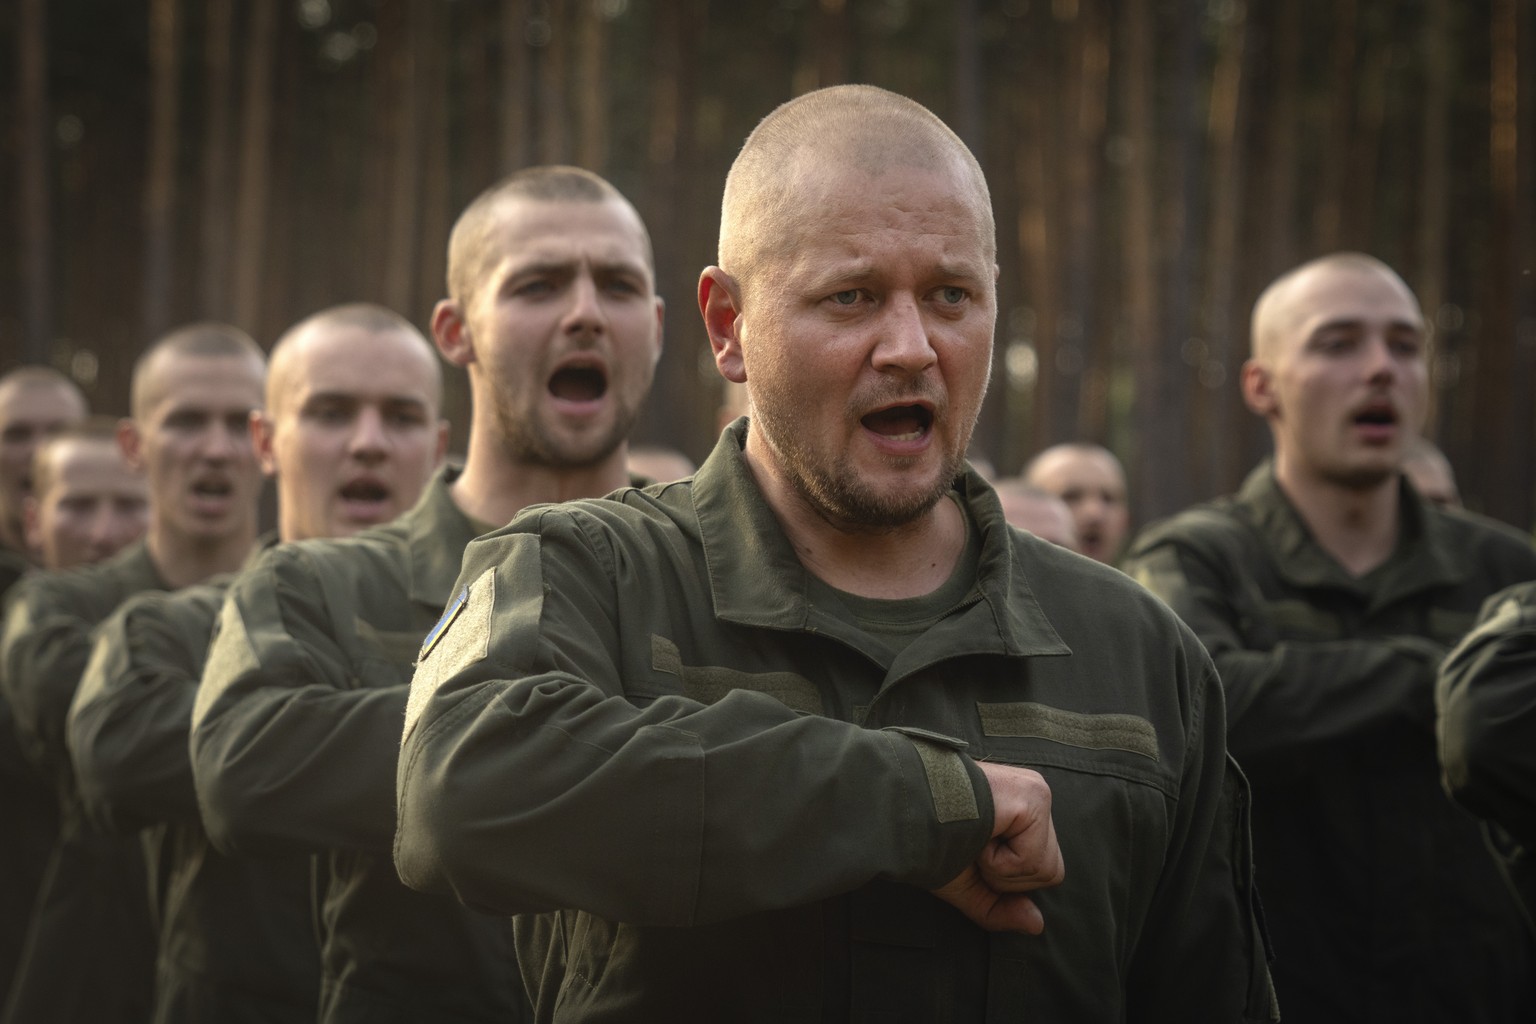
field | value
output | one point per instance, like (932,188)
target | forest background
(1154,163)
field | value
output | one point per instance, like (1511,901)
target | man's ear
(131,442)
(1258,389)
(263,432)
(720,303)
(450,331)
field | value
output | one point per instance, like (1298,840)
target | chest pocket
(708,683)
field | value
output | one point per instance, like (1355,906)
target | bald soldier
(1430,473)
(35,402)
(1037,510)
(1328,591)
(86,504)
(1091,481)
(351,432)
(552,307)
(752,746)
(90,950)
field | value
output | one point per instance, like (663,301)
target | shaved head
(287,359)
(211,340)
(1282,306)
(470,243)
(39,378)
(777,173)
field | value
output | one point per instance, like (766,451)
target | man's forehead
(560,230)
(41,403)
(1348,294)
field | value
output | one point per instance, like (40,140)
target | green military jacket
(32,817)
(639,714)
(295,734)
(1382,902)
(1486,696)
(236,935)
(89,952)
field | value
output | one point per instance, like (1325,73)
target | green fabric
(1381,900)
(1486,695)
(236,936)
(295,734)
(91,949)
(656,765)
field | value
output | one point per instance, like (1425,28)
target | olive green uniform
(1487,702)
(295,735)
(645,714)
(89,953)
(31,815)
(236,935)
(1382,902)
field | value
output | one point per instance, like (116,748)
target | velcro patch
(948,782)
(1073,728)
(460,638)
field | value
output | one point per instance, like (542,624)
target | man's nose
(903,344)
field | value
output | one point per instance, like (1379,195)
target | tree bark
(160,178)
(34,196)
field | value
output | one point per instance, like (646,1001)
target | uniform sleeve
(529,783)
(129,723)
(1292,697)
(1487,704)
(290,752)
(1206,908)
(42,653)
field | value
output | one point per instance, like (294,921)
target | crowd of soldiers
(834,727)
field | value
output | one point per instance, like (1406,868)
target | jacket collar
(756,579)
(436,532)
(1421,560)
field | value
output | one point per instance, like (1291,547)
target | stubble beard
(528,440)
(834,492)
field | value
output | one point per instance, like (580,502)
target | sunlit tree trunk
(214,260)
(1222,325)
(160,178)
(516,87)
(33,195)
(1158,457)
(251,208)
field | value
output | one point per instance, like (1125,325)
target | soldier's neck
(182,561)
(493,489)
(1357,526)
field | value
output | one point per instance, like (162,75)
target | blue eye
(846,298)
(952,294)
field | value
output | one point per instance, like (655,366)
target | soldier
(1328,590)
(1037,510)
(296,727)
(35,401)
(1486,698)
(755,739)
(87,502)
(1430,472)
(351,432)
(89,950)
(1091,481)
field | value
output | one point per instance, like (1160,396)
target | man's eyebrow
(353,396)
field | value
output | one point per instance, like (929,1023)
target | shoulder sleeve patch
(460,638)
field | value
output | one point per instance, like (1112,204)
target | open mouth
(212,488)
(1377,416)
(900,422)
(365,491)
(578,384)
